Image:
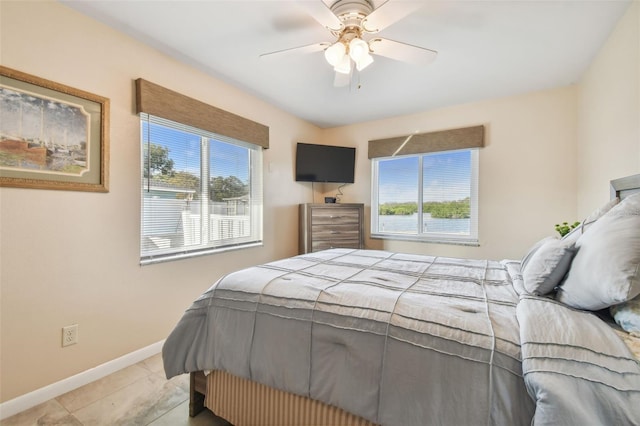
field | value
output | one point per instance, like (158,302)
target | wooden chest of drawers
(324,226)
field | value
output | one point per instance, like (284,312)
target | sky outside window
(446,177)
(229,160)
(184,149)
(398,180)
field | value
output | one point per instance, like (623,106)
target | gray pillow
(547,266)
(606,269)
(534,248)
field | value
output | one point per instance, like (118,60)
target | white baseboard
(38,396)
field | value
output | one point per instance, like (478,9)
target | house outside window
(189,174)
(429,197)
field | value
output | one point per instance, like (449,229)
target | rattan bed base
(245,403)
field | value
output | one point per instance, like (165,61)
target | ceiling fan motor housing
(352,12)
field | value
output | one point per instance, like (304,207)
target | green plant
(564,228)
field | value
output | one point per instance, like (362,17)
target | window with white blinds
(201,192)
(427,197)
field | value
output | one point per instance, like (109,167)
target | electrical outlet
(69,335)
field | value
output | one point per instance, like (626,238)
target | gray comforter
(395,338)
(577,369)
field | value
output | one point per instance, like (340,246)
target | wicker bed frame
(243,402)
(230,397)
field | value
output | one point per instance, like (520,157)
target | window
(189,174)
(426,197)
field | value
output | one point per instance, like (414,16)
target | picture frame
(52,136)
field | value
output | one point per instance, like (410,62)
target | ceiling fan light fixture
(358,49)
(351,22)
(344,66)
(335,53)
(364,62)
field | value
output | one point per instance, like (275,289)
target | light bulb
(335,53)
(358,49)
(364,62)
(344,66)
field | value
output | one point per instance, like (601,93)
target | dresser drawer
(335,232)
(335,216)
(317,245)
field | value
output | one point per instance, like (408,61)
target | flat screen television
(325,163)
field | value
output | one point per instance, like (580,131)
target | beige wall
(527,170)
(608,129)
(72,257)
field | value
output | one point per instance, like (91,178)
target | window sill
(472,242)
(150,260)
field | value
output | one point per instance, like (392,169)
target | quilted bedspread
(397,339)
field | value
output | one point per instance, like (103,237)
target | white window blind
(189,174)
(428,197)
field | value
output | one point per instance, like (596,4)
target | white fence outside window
(171,222)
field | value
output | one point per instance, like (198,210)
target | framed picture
(52,136)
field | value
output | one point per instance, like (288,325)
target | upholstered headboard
(625,186)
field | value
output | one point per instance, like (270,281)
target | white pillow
(627,315)
(606,269)
(547,266)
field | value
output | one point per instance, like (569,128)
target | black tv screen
(325,163)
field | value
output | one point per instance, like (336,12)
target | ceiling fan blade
(389,13)
(401,51)
(319,11)
(309,48)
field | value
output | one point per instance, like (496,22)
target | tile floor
(137,395)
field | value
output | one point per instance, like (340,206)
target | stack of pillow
(594,267)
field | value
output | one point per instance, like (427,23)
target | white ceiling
(486,49)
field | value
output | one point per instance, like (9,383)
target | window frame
(207,244)
(472,239)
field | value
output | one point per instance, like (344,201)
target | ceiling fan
(353,23)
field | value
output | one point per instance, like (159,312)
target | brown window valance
(421,143)
(156,100)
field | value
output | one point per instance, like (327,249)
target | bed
(367,337)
